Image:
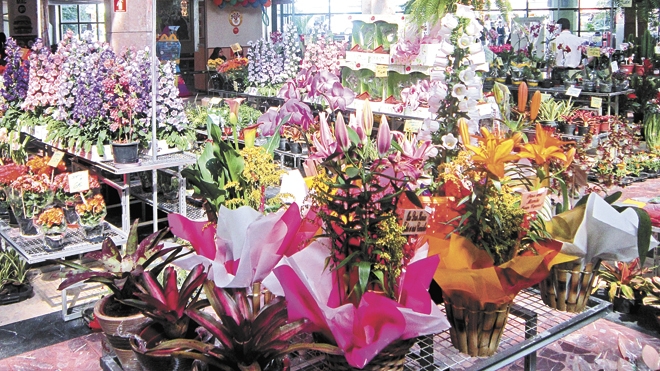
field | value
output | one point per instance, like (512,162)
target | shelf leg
(126,205)
(530,331)
(182,192)
(154,199)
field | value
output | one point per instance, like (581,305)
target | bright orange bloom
(546,147)
(494,152)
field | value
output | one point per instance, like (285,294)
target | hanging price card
(615,66)
(533,200)
(381,70)
(545,97)
(596,102)
(593,51)
(215,100)
(573,91)
(55,160)
(414,221)
(79,181)
(412,126)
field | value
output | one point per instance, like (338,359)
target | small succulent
(120,273)
(251,338)
(167,303)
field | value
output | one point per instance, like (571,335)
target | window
(81,18)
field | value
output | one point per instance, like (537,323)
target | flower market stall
(409,198)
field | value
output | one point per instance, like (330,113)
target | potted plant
(68,200)
(624,282)
(14,283)
(29,195)
(91,215)
(252,335)
(53,225)
(120,274)
(651,289)
(551,111)
(166,304)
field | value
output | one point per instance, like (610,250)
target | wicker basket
(392,358)
(569,286)
(475,330)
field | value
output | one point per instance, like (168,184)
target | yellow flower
(494,152)
(546,147)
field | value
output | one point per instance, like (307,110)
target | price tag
(485,109)
(381,70)
(414,221)
(573,91)
(615,66)
(235,85)
(55,160)
(79,181)
(593,51)
(412,126)
(545,97)
(596,102)
(215,100)
(533,200)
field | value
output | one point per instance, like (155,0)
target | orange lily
(546,147)
(494,152)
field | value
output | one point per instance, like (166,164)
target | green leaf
(627,292)
(347,259)
(353,136)
(274,141)
(613,197)
(352,172)
(412,196)
(644,230)
(364,269)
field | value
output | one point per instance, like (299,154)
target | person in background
(217,53)
(500,33)
(566,46)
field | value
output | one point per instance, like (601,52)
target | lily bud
(341,133)
(384,138)
(463,130)
(367,118)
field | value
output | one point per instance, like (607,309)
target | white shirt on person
(574,57)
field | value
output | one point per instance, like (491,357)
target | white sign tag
(55,160)
(415,221)
(573,91)
(79,181)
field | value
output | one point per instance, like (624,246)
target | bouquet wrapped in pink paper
(362,331)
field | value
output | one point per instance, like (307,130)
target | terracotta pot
(640,70)
(605,127)
(117,330)
(627,68)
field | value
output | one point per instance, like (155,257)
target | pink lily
(342,133)
(355,123)
(384,138)
(234,103)
(324,143)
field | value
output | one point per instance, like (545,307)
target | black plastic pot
(284,144)
(569,129)
(153,334)
(624,305)
(10,294)
(296,148)
(546,84)
(582,130)
(125,153)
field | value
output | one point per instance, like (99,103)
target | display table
(531,325)
(607,97)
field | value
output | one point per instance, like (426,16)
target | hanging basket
(569,285)
(392,358)
(475,329)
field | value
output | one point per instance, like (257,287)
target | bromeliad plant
(166,303)
(120,273)
(623,279)
(251,337)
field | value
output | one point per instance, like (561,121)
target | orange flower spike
(545,148)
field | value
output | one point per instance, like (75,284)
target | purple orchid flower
(339,97)
(268,122)
(300,113)
(289,91)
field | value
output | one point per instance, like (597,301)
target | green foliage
(623,278)
(13,270)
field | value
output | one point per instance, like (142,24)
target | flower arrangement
(214,63)
(92,211)
(52,220)
(29,194)
(266,64)
(235,69)
(16,76)
(173,125)
(322,52)
(42,88)
(60,187)
(10,172)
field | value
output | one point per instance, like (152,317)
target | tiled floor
(33,335)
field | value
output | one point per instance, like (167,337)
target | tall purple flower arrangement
(16,75)
(173,125)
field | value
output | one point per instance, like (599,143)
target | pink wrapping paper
(362,331)
(245,245)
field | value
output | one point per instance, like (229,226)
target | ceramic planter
(118,330)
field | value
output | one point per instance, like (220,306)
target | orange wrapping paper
(465,269)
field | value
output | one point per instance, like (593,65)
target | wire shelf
(33,249)
(531,325)
(147,163)
(168,206)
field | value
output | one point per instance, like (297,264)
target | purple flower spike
(384,138)
(342,133)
